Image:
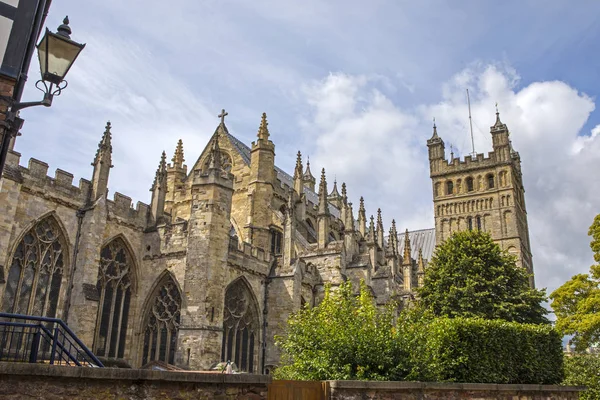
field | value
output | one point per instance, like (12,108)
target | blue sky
(352,84)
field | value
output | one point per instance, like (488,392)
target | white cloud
(379,149)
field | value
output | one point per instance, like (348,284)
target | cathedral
(227,249)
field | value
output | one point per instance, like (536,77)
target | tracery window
(114,288)
(162,324)
(240,327)
(276,240)
(35,274)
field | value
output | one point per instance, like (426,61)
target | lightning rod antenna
(473,154)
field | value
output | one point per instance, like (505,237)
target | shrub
(482,351)
(584,370)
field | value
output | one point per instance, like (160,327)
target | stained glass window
(240,327)
(162,324)
(35,274)
(114,288)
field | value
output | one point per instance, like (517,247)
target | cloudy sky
(353,84)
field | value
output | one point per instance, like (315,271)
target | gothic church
(228,248)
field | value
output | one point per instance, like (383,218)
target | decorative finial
(435,134)
(223,115)
(64,30)
(178,156)
(451,152)
(263,131)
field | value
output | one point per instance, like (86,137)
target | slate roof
(421,239)
(283,176)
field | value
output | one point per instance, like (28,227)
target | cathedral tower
(483,193)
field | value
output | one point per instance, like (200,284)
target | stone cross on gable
(223,115)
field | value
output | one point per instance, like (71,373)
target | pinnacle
(263,131)
(178,156)
(344,189)
(307,174)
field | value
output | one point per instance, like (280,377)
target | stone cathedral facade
(227,249)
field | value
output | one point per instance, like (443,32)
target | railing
(33,339)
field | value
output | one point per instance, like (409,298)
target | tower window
(478,223)
(469,184)
(470,223)
(449,187)
(276,238)
(490,181)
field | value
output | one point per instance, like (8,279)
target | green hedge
(584,370)
(482,351)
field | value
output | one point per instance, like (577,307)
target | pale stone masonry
(227,249)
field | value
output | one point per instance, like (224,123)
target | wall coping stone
(125,374)
(406,386)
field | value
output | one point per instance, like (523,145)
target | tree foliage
(584,370)
(577,302)
(470,276)
(344,337)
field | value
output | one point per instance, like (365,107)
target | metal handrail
(68,335)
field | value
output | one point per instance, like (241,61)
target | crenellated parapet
(34,178)
(122,209)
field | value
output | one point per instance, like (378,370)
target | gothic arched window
(449,187)
(36,270)
(162,324)
(490,181)
(469,184)
(114,288)
(240,327)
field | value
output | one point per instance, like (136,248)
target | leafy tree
(344,337)
(577,302)
(584,370)
(470,276)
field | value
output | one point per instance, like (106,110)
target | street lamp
(56,53)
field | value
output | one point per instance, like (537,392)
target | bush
(482,351)
(584,370)
(344,337)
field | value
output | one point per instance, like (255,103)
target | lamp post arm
(46,102)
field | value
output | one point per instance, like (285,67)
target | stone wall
(361,390)
(34,381)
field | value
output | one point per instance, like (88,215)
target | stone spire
(334,191)
(263,131)
(344,194)
(323,215)
(159,189)
(323,206)
(379,229)
(298,170)
(394,237)
(178,159)
(104,151)
(421,268)
(371,234)
(407,256)
(102,165)
(161,171)
(349,220)
(362,218)
(215,153)
(298,182)
(308,180)
(435,134)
